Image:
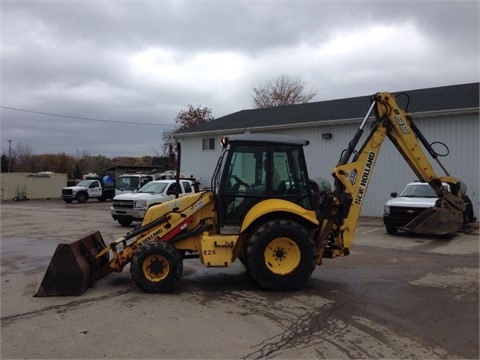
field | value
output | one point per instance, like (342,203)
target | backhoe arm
(405,136)
(352,179)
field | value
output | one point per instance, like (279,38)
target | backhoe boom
(352,178)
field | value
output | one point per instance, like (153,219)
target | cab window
(187,187)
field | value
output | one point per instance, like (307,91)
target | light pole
(9,154)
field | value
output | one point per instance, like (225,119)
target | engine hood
(419,202)
(75,187)
(136,196)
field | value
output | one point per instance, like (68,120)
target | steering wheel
(240,181)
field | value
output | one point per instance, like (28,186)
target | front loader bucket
(73,267)
(436,221)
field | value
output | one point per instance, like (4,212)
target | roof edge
(420,115)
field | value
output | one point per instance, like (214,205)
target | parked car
(412,201)
(127,208)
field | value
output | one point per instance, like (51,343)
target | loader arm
(352,178)
(171,219)
(76,266)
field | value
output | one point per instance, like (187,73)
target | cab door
(94,189)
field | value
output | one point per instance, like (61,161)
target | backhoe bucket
(436,221)
(73,267)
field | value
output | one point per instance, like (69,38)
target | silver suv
(413,200)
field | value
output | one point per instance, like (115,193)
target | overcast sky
(121,71)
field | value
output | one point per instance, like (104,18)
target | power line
(84,118)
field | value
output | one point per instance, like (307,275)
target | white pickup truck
(92,187)
(127,208)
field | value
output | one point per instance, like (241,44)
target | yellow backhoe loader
(262,209)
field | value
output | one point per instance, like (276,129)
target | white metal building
(445,115)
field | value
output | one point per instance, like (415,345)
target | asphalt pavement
(394,297)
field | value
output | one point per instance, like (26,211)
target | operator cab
(256,167)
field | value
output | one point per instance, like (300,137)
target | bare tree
(184,120)
(85,161)
(281,91)
(23,158)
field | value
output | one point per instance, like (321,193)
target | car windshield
(127,183)
(418,191)
(153,188)
(84,183)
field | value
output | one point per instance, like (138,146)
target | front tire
(391,230)
(82,197)
(156,267)
(124,220)
(280,255)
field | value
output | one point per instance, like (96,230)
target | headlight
(140,203)
(386,209)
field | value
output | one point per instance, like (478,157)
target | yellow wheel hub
(282,256)
(156,268)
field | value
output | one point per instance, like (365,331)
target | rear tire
(280,255)
(156,267)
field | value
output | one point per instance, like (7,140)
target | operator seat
(282,187)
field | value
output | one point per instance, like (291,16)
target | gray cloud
(146,61)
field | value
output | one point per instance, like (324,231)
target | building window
(208,144)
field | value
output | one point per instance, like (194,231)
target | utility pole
(9,154)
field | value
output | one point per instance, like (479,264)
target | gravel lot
(394,297)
